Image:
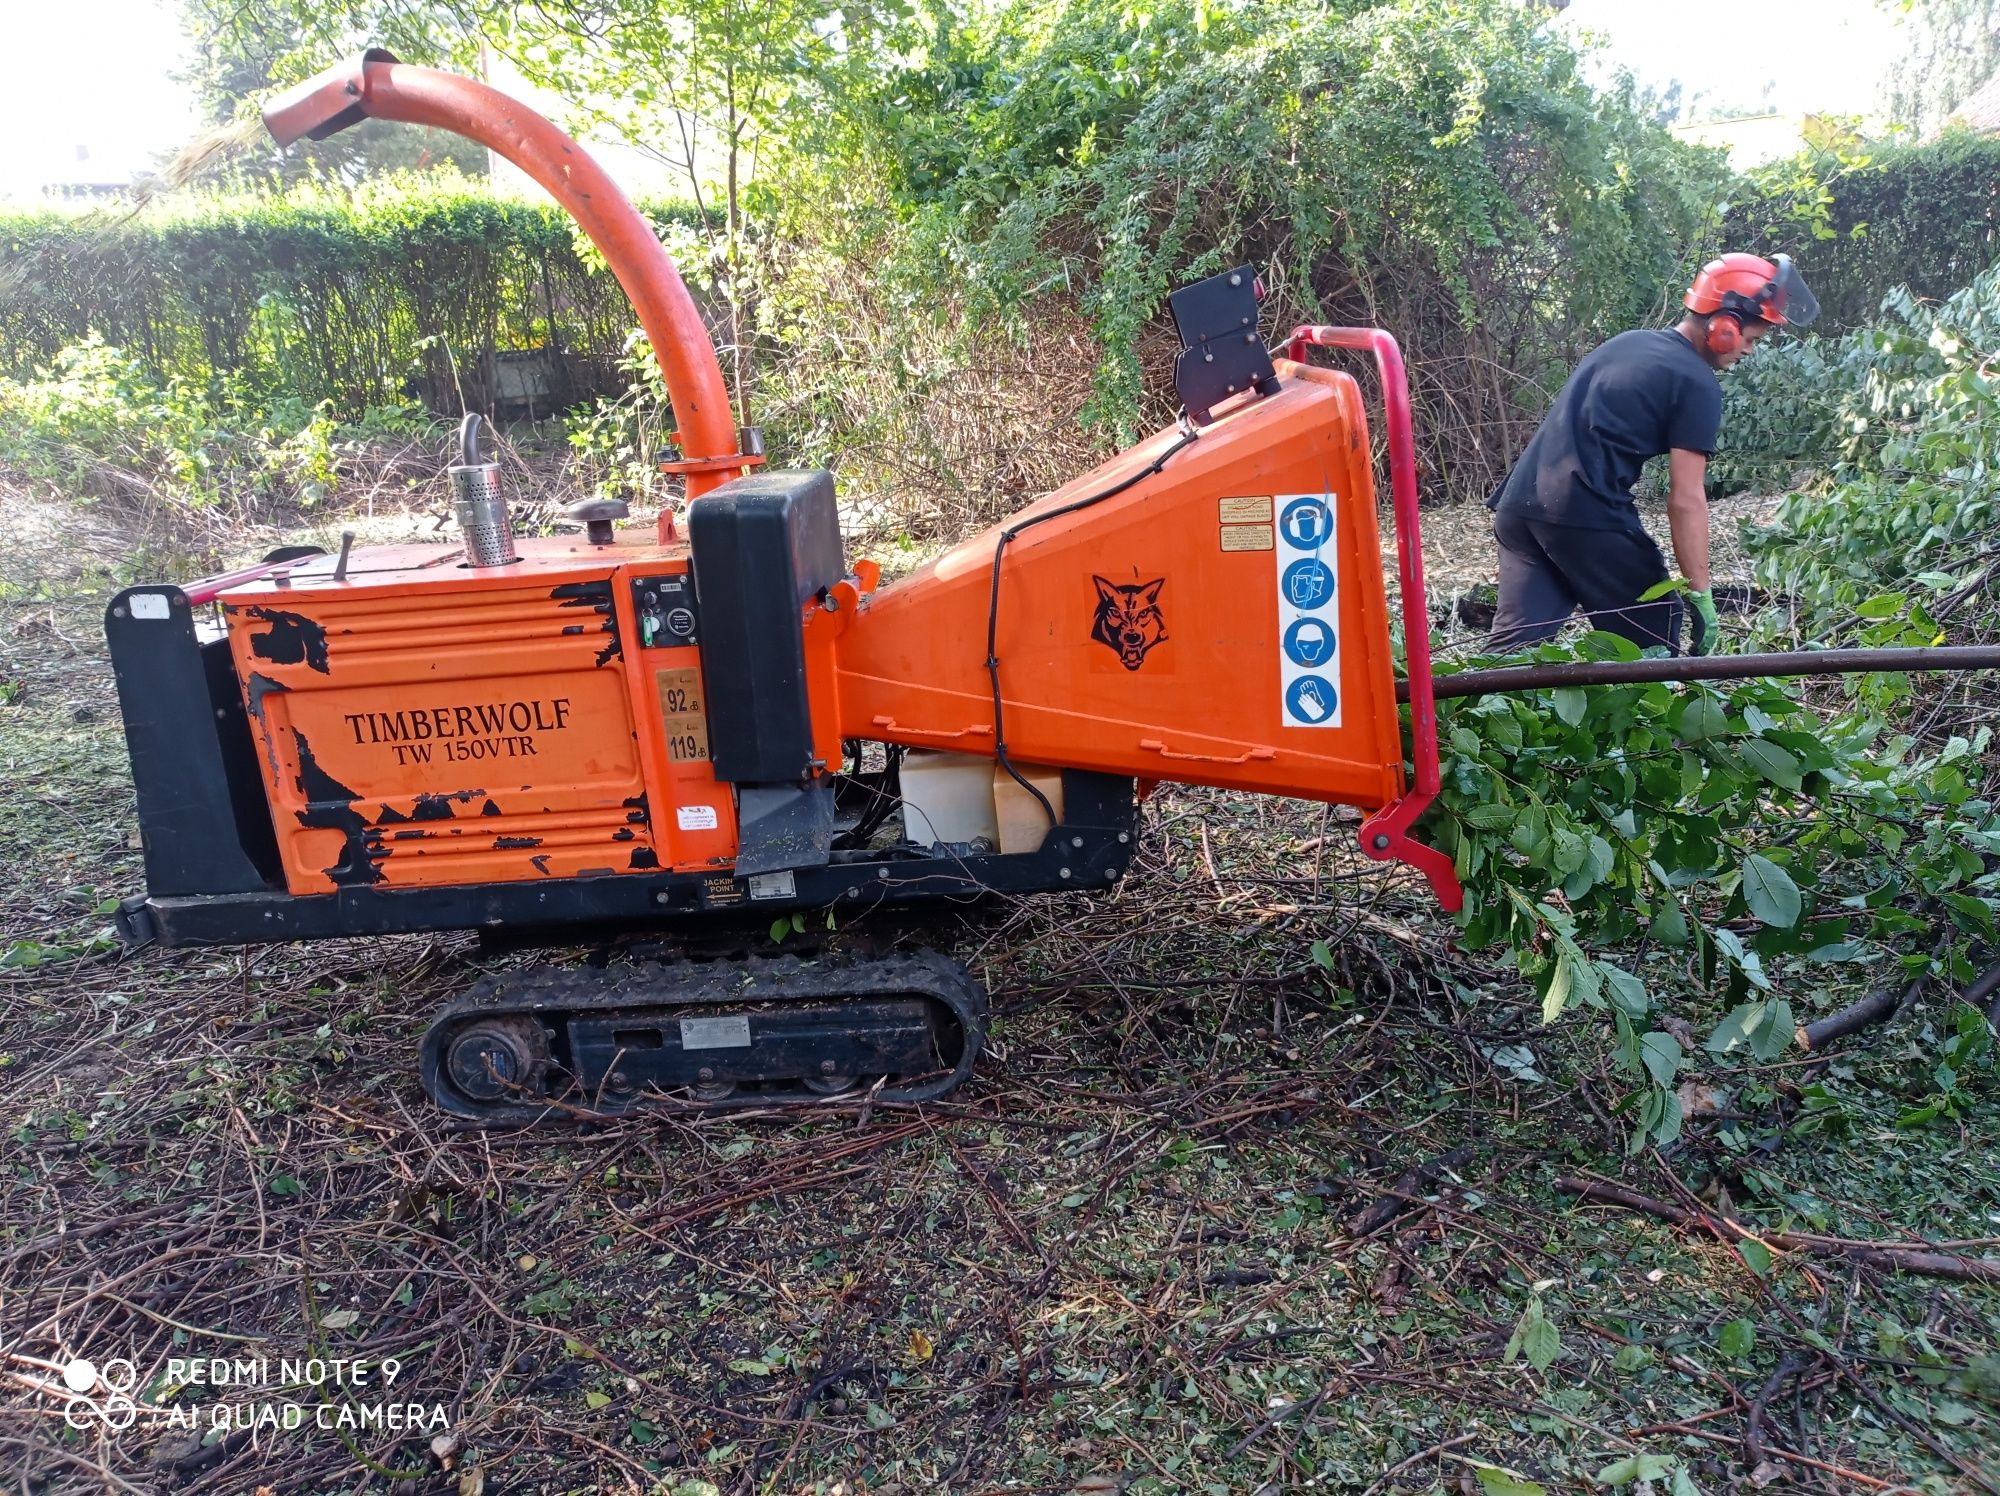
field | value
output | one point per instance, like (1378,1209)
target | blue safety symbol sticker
(1311,699)
(1307,523)
(1309,641)
(1308,583)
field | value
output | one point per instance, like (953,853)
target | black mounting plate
(1222,353)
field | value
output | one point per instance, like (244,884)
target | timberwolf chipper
(557,738)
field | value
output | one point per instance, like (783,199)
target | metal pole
(1711,667)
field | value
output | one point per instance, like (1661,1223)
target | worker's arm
(1687,521)
(1687,515)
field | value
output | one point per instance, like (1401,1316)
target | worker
(1564,517)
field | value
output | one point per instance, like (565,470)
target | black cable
(1188,437)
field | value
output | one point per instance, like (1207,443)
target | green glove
(1707,627)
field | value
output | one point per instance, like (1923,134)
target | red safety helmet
(1738,286)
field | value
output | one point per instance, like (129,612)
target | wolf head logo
(1128,619)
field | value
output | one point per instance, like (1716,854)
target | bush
(1911,426)
(99,423)
(1437,168)
(1923,217)
(356,298)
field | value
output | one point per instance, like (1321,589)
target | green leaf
(283,1184)
(1701,717)
(1569,704)
(781,927)
(1557,997)
(1756,1256)
(1630,1358)
(1535,1337)
(1765,1027)
(1772,763)
(1775,1032)
(1737,1340)
(1542,1344)
(1627,992)
(1489,817)
(1670,926)
(1770,892)
(594,1400)
(1662,1054)
(1663,589)
(1667,1125)
(1736,1027)
(1635,1467)
(1745,961)
(1493,1481)
(751,1367)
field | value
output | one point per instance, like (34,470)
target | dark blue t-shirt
(1640,394)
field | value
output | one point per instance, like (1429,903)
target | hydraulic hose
(1504,678)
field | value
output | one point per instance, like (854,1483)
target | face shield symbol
(1308,583)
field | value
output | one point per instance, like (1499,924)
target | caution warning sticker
(1308,610)
(1246,537)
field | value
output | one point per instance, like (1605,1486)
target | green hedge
(1925,217)
(364,297)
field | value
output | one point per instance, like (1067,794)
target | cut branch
(1918,1257)
(1408,1190)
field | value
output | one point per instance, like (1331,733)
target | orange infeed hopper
(421,722)
(1222,621)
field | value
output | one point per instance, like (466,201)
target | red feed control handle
(1385,835)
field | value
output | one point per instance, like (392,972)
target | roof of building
(1981,109)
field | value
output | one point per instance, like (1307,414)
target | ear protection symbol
(1725,334)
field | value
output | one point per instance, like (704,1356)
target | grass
(1124,1258)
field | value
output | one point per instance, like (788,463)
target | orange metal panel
(1146,634)
(424,722)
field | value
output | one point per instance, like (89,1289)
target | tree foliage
(1950,47)
(1862,219)
(1438,168)
(320,293)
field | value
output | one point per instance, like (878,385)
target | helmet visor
(1791,301)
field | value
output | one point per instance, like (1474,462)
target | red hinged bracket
(1385,835)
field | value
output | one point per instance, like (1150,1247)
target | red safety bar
(1385,835)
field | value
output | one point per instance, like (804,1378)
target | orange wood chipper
(620,729)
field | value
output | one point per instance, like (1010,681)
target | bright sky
(89,75)
(93,75)
(1825,56)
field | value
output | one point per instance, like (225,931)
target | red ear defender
(1725,334)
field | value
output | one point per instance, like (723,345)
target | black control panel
(665,606)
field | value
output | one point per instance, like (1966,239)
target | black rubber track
(551,995)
